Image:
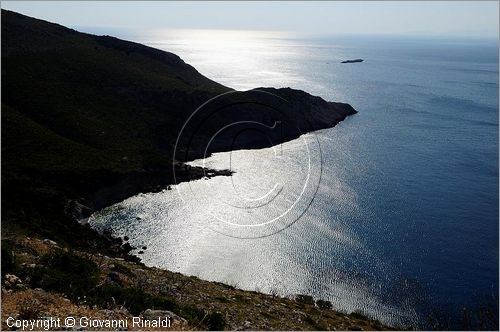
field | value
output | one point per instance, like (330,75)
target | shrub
(216,321)
(8,259)
(304,299)
(29,310)
(202,320)
(315,325)
(358,314)
(134,299)
(194,315)
(122,269)
(322,304)
(67,273)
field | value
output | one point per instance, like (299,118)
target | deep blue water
(430,136)
(406,215)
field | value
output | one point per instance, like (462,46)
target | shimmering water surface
(393,212)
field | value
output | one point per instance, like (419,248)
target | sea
(393,213)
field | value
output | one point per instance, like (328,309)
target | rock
(144,247)
(48,241)
(125,238)
(118,240)
(20,286)
(11,280)
(107,312)
(140,252)
(150,314)
(121,310)
(79,211)
(84,221)
(127,247)
(300,313)
(107,233)
(114,278)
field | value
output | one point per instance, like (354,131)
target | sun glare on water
(240,59)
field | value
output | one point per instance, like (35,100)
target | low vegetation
(90,281)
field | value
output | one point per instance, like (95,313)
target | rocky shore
(133,183)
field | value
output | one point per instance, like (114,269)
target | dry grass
(193,298)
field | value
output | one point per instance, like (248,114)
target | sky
(446,18)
